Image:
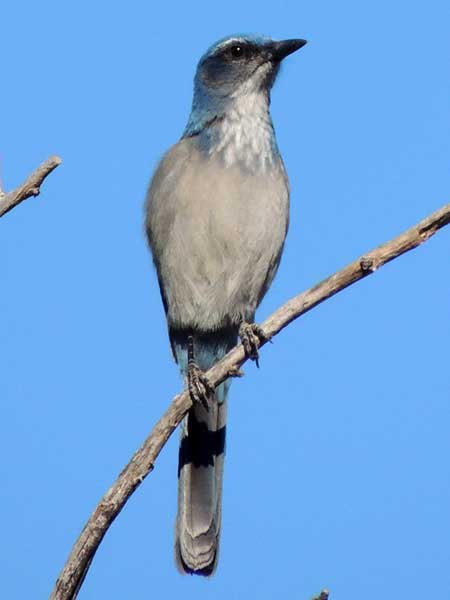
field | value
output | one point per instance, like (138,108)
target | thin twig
(78,563)
(31,187)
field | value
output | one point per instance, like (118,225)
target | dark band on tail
(201,445)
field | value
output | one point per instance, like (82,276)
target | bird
(216,217)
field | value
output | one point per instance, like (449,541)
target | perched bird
(217,214)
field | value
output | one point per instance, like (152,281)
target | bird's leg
(200,389)
(251,336)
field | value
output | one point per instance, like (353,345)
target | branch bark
(31,187)
(83,551)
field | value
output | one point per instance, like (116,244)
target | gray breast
(216,234)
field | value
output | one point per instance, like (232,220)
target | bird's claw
(200,388)
(251,336)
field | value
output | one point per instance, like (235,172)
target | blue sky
(337,467)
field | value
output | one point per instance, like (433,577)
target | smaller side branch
(140,465)
(31,187)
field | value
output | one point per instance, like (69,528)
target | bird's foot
(251,336)
(199,386)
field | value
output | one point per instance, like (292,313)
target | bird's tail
(200,467)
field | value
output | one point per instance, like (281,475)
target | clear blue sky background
(337,471)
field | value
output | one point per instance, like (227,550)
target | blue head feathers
(235,67)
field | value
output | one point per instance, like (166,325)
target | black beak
(280,50)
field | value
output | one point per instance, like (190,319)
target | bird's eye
(237,51)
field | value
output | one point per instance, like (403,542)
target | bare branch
(78,563)
(31,187)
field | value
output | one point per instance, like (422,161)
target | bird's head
(234,67)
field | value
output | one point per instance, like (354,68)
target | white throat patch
(246,134)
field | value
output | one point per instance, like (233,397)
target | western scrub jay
(217,214)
